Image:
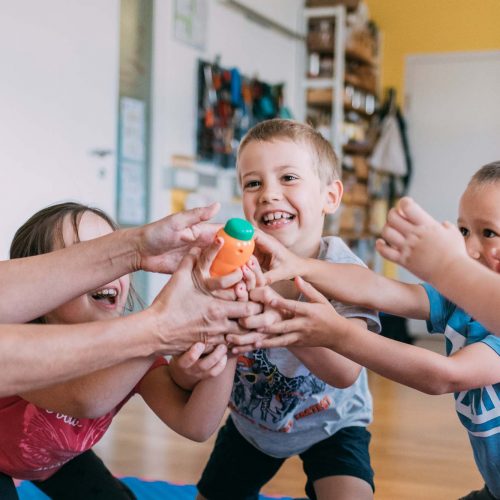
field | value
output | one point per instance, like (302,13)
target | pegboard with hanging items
(229,104)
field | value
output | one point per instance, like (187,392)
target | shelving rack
(340,94)
(336,82)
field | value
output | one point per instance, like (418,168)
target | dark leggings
(83,478)
(7,488)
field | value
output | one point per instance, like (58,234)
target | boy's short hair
(326,162)
(487,174)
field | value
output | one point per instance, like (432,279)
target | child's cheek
(493,259)
(496,266)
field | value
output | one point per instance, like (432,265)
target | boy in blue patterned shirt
(471,369)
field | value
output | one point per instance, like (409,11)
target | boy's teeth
(276,216)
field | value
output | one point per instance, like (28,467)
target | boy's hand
(247,342)
(290,322)
(189,368)
(253,278)
(275,259)
(413,239)
(309,323)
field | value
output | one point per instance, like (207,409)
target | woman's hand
(161,245)
(185,313)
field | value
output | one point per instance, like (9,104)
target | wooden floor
(419,449)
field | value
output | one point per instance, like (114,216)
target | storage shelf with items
(341,88)
(340,91)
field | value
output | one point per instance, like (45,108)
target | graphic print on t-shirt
(262,392)
(51,439)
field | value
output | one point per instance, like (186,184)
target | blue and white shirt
(478,409)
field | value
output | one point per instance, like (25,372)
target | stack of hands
(410,238)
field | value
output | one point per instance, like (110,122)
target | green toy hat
(239,229)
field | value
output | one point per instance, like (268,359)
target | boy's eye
(251,184)
(464,231)
(488,233)
(289,178)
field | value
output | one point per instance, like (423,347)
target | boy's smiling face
(283,194)
(479,222)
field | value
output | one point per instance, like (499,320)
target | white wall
(240,42)
(453,115)
(58,96)
(283,12)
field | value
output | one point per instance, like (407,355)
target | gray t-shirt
(280,407)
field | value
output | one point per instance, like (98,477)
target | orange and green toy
(238,247)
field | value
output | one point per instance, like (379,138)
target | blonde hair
(324,157)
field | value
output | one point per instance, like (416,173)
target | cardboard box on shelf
(352,221)
(361,167)
(319,96)
(361,45)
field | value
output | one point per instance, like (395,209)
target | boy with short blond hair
(309,402)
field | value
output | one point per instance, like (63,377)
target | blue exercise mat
(144,490)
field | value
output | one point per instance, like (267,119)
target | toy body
(238,247)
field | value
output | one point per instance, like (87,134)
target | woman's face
(105,302)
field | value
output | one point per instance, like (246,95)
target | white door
(453,117)
(453,114)
(58,106)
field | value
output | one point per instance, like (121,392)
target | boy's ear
(334,192)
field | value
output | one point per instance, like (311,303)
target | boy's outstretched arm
(333,368)
(348,283)
(197,414)
(436,253)
(317,323)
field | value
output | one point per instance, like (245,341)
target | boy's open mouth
(106,295)
(278,218)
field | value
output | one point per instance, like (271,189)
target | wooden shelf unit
(340,97)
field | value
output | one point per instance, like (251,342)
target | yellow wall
(423,26)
